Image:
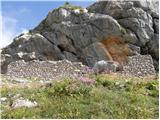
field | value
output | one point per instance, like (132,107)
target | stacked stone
(139,66)
(46,70)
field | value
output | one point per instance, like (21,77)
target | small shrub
(59,87)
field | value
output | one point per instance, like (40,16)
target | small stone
(3,99)
(21,80)
(77,70)
(16,96)
(23,103)
(20,54)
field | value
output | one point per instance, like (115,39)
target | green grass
(70,7)
(123,31)
(108,98)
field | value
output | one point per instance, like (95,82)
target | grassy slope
(109,97)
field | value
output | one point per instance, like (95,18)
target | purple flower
(87,80)
(87,70)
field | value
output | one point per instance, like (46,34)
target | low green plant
(123,31)
(108,98)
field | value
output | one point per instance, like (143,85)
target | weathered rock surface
(95,52)
(106,66)
(129,16)
(75,34)
(140,17)
(64,34)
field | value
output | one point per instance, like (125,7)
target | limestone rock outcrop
(86,35)
(140,18)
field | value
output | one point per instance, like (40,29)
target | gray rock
(61,40)
(57,16)
(139,27)
(112,8)
(32,47)
(21,80)
(140,17)
(130,37)
(70,56)
(5,60)
(105,66)
(63,29)
(155,15)
(93,26)
(3,99)
(156,25)
(96,52)
(21,102)
(153,46)
(156,65)
(148,5)
(135,49)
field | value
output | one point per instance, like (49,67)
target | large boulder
(148,5)
(30,47)
(106,66)
(95,52)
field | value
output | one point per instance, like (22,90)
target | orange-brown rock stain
(117,48)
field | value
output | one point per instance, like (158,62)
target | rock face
(83,35)
(140,20)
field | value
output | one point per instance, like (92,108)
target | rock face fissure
(106,30)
